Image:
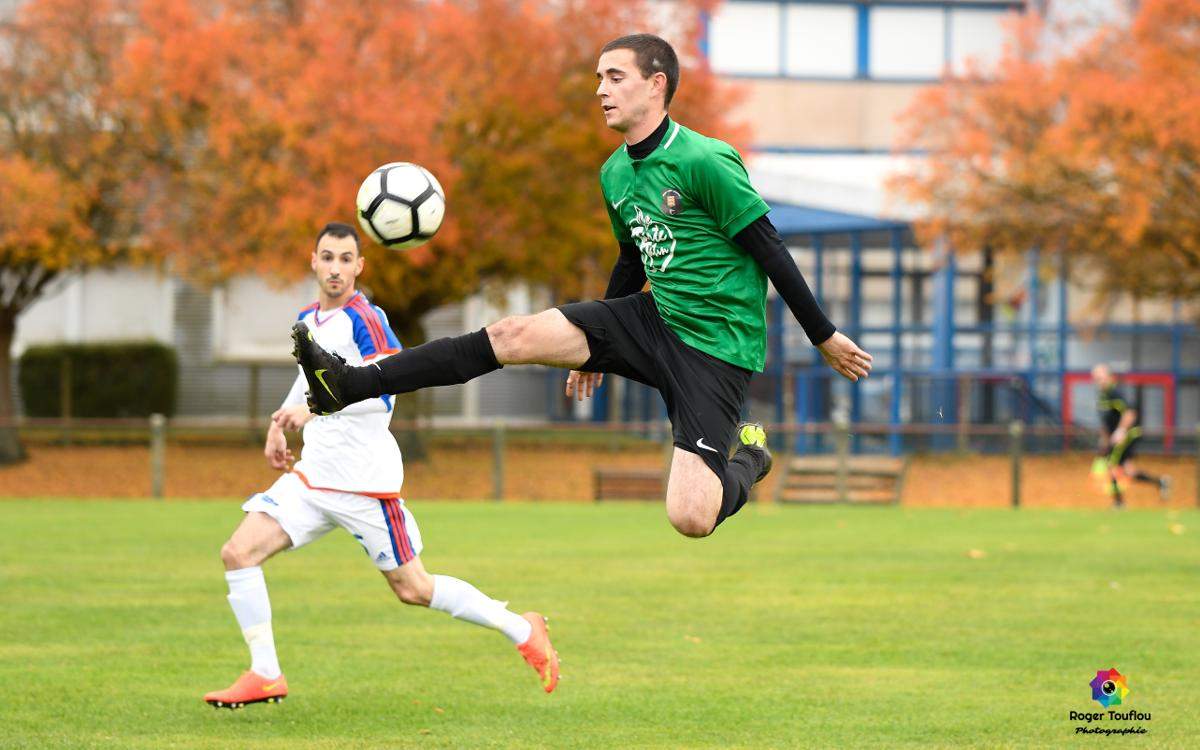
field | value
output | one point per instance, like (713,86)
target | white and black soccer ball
(401,205)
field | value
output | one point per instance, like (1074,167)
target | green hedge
(107,380)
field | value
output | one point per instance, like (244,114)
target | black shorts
(1125,451)
(626,336)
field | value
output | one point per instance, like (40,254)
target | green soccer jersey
(682,205)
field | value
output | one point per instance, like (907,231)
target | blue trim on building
(1018,5)
(835,150)
(947,41)
(791,220)
(897,364)
(863,53)
(828,79)
(783,42)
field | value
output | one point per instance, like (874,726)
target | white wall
(125,304)
(251,318)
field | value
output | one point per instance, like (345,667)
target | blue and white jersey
(352,450)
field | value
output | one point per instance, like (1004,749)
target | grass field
(830,627)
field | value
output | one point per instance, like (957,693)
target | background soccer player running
(1120,433)
(686,218)
(349,475)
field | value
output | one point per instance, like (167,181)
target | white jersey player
(349,474)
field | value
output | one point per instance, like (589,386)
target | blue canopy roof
(792,220)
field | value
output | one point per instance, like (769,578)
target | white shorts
(383,526)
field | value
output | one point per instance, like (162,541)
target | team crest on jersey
(654,240)
(672,202)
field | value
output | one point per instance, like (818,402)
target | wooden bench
(628,484)
(841,479)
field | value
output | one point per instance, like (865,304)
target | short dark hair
(338,230)
(654,55)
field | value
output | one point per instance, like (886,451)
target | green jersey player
(688,221)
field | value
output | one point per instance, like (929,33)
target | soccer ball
(401,205)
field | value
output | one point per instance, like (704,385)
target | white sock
(252,608)
(463,601)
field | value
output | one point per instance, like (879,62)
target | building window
(846,40)
(821,40)
(907,42)
(743,39)
(975,35)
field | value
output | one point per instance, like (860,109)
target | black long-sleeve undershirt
(762,242)
(628,274)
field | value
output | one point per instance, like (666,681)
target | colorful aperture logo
(1109,688)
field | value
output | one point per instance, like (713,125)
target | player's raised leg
(693,494)
(546,338)
(459,599)
(256,539)
(750,464)
(698,500)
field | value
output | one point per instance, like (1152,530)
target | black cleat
(322,370)
(753,438)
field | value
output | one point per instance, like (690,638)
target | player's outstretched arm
(762,242)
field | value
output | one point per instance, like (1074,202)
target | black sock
(1142,476)
(1116,493)
(446,361)
(739,477)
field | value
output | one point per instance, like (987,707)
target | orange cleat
(538,652)
(251,687)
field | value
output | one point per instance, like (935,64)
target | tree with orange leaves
(1094,153)
(64,156)
(219,134)
(268,116)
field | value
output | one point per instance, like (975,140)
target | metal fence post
(964,414)
(66,403)
(841,437)
(1016,431)
(498,461)
(158,457)
(252,402)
